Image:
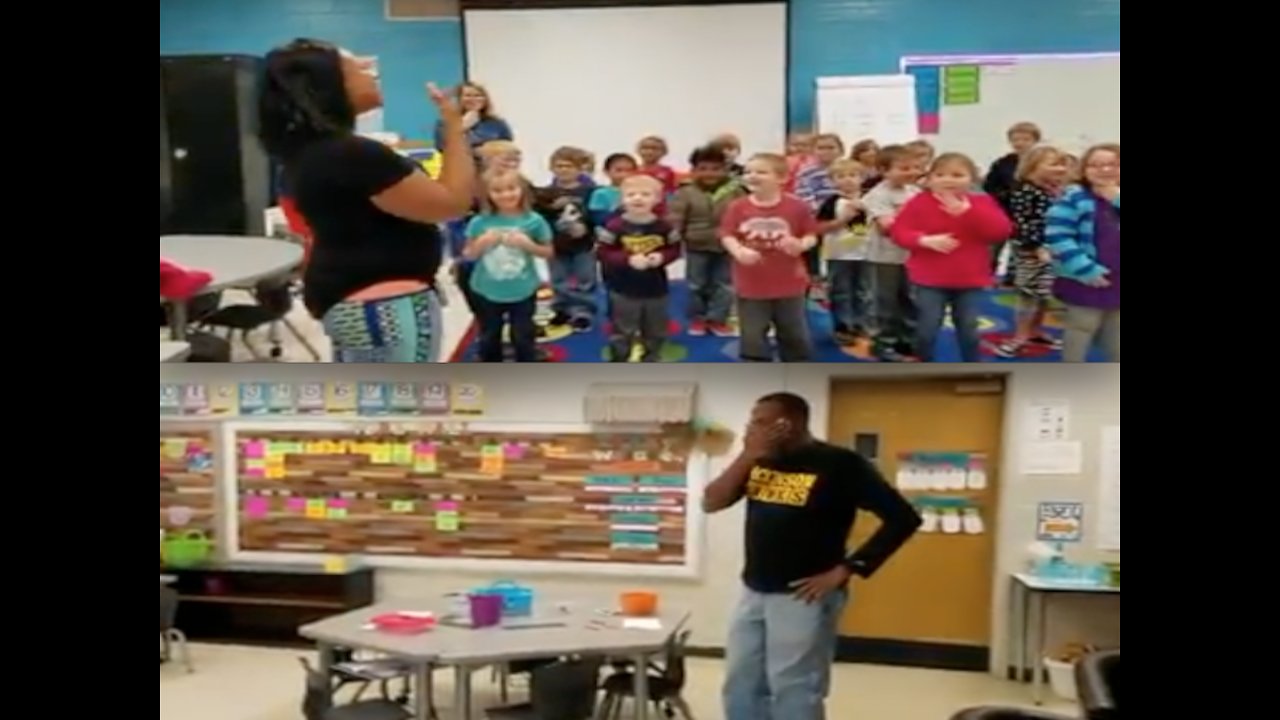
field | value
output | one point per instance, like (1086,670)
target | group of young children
(892,239)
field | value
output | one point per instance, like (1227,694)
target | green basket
(186,549)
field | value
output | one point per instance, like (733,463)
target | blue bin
(517,600)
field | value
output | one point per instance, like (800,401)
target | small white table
(174,351)
(233,261)
(1029,595)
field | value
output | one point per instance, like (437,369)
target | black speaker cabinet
(214,176)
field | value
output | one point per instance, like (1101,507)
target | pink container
(486,610)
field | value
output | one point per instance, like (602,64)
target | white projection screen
(602,78)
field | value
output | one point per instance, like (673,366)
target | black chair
(207,348)
(665,685)
(563,690)
(318,702)
(273,300)
(1006,713)
(1098,684)
(170,635)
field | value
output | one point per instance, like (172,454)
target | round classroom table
(233,261)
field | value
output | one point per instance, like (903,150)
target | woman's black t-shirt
(355,244)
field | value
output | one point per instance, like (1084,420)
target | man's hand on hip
(813,589)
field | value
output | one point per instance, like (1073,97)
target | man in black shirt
(802,496)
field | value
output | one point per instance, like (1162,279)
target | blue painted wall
(828,37)
(409,53)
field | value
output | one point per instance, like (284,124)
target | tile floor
(239,683)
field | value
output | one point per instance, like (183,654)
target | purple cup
(486,610)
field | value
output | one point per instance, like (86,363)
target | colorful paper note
(448,519)
(424,458)
(633,540)
(174,448)
(256,507)
(317,509)
(513,451)
(491,459)
(255,449)
(255,468)
(295,504)
(199,460)
(402,454)
(180,515)
(380,454)
(962,85)
(402,506)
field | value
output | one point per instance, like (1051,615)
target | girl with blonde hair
(1039,179)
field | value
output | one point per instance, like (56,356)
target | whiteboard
(1109,485)
(875,107)
(602,78)
(1075,99)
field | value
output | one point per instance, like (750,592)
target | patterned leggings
(402,329)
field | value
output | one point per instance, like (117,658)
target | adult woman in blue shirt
(478,117)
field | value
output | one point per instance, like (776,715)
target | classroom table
(233,261)
(1030,595)
(172,352)
(580,628)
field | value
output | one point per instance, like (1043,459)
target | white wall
(552,393)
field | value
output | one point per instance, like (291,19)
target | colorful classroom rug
(997,326)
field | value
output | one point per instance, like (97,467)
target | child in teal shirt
(505,239)
(605,200)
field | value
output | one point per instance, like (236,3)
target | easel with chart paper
(464,495)
(878,107)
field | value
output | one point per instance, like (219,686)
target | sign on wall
(1060,522)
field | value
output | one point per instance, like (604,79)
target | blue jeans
(966,308)
(573,277)
(778,662)
(848,294)
(710,286)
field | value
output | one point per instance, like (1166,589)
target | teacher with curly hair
(373,214)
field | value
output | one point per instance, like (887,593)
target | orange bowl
(639,603)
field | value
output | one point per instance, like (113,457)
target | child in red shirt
(799,154)
(652,150)
(949,231)
(767,234)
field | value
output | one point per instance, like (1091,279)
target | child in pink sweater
(949,231)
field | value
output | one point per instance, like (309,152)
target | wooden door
(937,590)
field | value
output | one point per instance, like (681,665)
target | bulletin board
(966,102)
(188,480)
(466,495)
